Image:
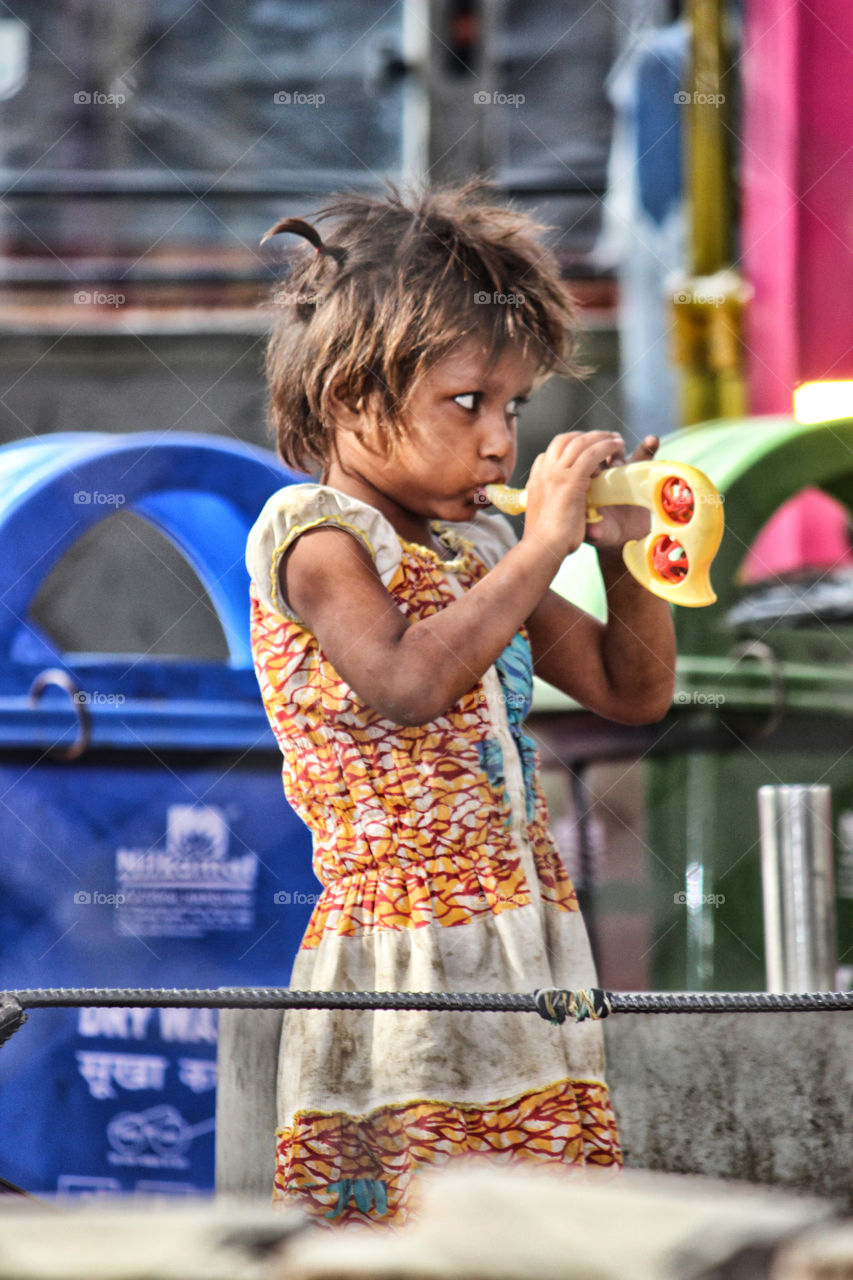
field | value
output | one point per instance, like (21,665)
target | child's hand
(557,487)
(621,524)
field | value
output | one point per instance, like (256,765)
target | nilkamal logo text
(161,868)
(188,887)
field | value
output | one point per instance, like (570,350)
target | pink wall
(796,160)
(797,191)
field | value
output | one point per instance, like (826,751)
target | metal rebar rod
(439,1001)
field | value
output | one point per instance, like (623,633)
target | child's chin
(465,507)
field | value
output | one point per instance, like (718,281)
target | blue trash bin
(144,836)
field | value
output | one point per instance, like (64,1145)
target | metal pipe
(267,184)
(797,887)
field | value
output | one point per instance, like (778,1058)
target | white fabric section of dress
(490,532)
(356,1062)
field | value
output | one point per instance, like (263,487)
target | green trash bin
(764,696)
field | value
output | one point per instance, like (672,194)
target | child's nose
(498,435)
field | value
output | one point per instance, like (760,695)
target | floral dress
(439,873)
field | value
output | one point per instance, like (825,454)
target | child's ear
(348,411)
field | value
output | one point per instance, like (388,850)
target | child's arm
(411,672)
(624,669)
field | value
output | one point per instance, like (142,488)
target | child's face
(460,434)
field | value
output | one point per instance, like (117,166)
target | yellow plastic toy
(673,561)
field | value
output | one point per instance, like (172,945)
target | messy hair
(398,284)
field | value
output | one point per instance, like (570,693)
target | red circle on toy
(677,500)
(669,560)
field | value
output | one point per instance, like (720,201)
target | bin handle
(763,653)
(57,678)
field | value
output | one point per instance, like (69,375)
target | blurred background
(147,147)
(693,166)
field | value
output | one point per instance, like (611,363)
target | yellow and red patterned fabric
(439,873)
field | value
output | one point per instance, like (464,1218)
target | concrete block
(763,1097)
(245,1102)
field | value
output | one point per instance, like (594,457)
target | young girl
(396,629)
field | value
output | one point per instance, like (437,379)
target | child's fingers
(647,448)
(568,465)
(589,448)
(580,440)
(596,455)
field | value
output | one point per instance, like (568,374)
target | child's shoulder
(296,508)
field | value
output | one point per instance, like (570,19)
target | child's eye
(514,406)
(468,400)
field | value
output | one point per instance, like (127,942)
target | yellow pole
(708,307)
(707,175)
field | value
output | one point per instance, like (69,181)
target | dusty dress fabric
(439,874)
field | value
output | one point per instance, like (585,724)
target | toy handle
(673,561)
